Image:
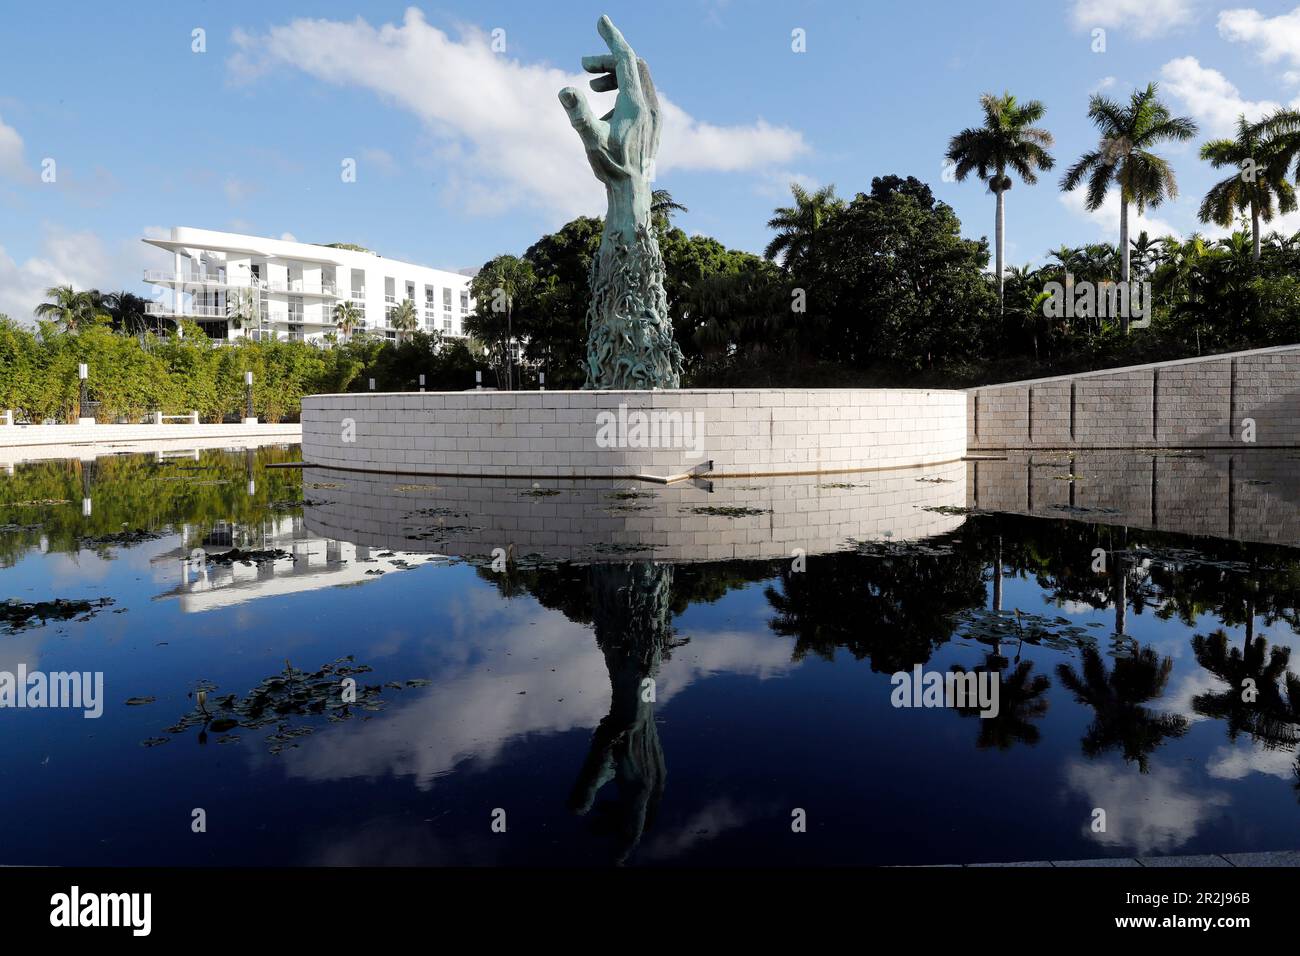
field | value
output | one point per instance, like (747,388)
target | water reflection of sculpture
(631,606)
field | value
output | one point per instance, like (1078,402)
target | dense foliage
(130,376)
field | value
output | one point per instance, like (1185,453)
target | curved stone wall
(618,434)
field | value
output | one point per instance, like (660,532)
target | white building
(234,285)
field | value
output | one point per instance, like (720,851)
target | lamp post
(249,417)
(83,373)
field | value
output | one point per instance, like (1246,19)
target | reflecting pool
(347,668)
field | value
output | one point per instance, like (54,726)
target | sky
(118,121)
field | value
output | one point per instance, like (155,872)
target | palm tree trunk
(1254,230)
(999,233)
(510,357)
(1123,249)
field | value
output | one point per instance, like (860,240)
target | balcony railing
(193,311)
(159,277)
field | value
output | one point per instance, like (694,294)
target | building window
(446,300)
(464,303)
(390,290)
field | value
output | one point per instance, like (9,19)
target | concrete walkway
(15,436)
(1269,858)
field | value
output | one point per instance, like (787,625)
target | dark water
(768,616)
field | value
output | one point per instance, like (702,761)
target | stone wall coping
(1169,363)
(640,392)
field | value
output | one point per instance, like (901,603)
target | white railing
(158,276)
(193,311)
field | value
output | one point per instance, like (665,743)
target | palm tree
(67,307)
(1124,158)
(1007,142)
(662,207)
(347,317)
(797,226)
(498,285)
(1259,166)
(126,309)
(404,320)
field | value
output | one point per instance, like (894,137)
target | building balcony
(187,312)
(216,281)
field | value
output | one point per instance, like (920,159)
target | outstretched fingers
(594,132)
(625,69)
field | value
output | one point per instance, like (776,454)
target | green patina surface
(629,334)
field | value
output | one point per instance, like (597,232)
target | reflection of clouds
(21,649)
(388,843)
(475,706)
(1178,699)
(1151,813)
(708,822)
(723,652)
(1247,757)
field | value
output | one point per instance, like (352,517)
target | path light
(541,381)
(249,417)
(478,379)
(372,384)
(83,373)
(422,381)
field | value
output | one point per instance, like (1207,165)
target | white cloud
(12,163)
(504,139)
(1145,18)
(1209,96)
(1106,218)
(65,257)
(75,258)
(1275,38)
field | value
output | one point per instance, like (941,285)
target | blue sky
(463,152)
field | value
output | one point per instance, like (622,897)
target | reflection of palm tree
(1020,702)
(1258,708)
(632,612)
(1117,699)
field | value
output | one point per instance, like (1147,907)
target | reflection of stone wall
(1194,403)
(1245,495)
(587,521)
(554,434)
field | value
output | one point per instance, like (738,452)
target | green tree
(1259,164)
(798,227)
(1124,158)
(67,307)
(347,317)
(404,320)
(499,285)
(662,207)
(1008,142)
